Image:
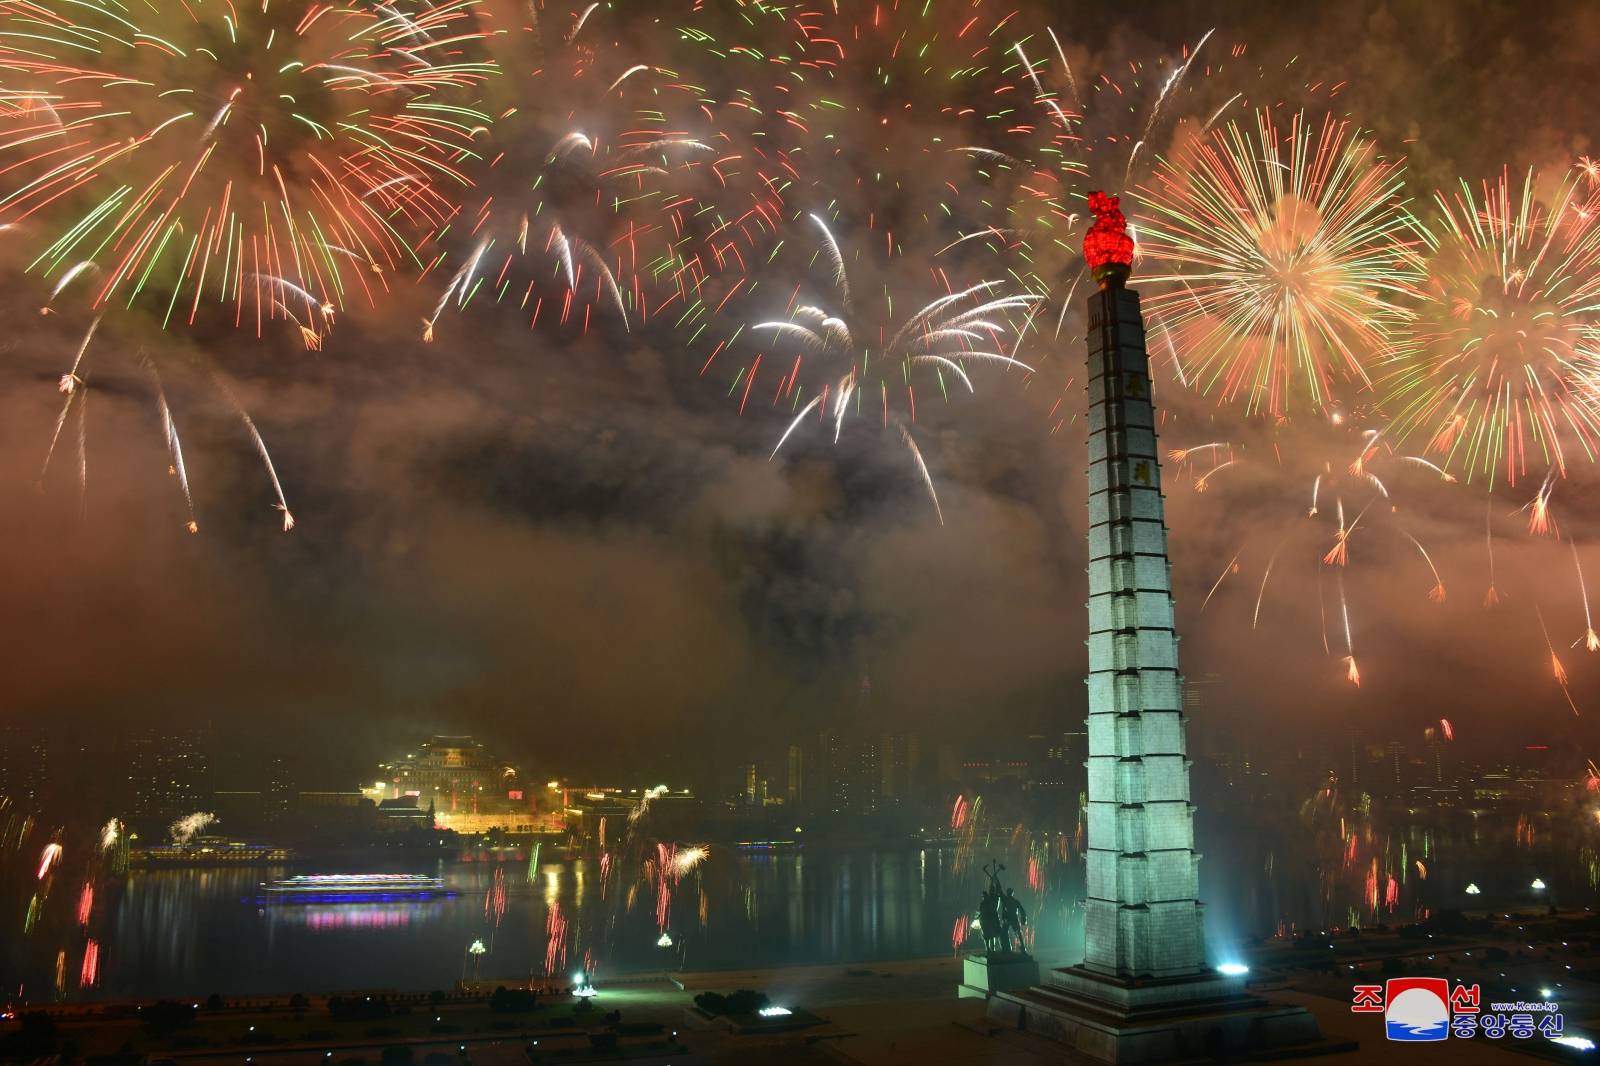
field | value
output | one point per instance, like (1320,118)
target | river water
(190,932)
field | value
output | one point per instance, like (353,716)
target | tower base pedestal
(1155,1020)
(984,975)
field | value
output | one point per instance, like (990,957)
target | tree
(512,1000)
(744,1001)
(34,1037)
(165,1016)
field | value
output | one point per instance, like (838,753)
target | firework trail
(1155,111)
(1351,672)
(1179,455)
(169,430)
(1505,345)
(73,386)
(922,467)
(272,473)
(85,266)
(70,385)
(1231,568)
(1266,574)
(1279,258)
(70,381)
(1338,555)
(1556,669)
(261,450)
(83,455)
(1590,639)
(55,436)
(89,972)
(48,859)
(187,156)
(1491,597)
(555,931)
(1437,593)
(1204,482)
(1540,523)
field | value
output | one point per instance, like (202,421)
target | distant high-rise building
(797,776)
(1395,766)
(1064,762)
(169,774)
(1433,771)
(750,780)
(279,798)
(848,775)
(869,777)
(23,763)
(899,753)
(836,773)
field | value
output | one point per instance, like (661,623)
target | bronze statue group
(1001,916)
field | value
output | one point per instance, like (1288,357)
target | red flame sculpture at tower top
(1107,246)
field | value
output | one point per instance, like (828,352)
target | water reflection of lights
(376,916)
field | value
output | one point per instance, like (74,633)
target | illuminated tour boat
(354,888)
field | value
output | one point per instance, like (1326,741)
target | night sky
(577,548)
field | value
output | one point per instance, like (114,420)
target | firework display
(611,184)
(280,159)
(1281,259)
(1495,372)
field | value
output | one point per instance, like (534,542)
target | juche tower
(1144,991)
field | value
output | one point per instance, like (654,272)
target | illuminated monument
(1144,991)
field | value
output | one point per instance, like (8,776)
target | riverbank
(883,1014)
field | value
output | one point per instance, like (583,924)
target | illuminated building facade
(469,789)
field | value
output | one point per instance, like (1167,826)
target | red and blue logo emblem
(1417,1008)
